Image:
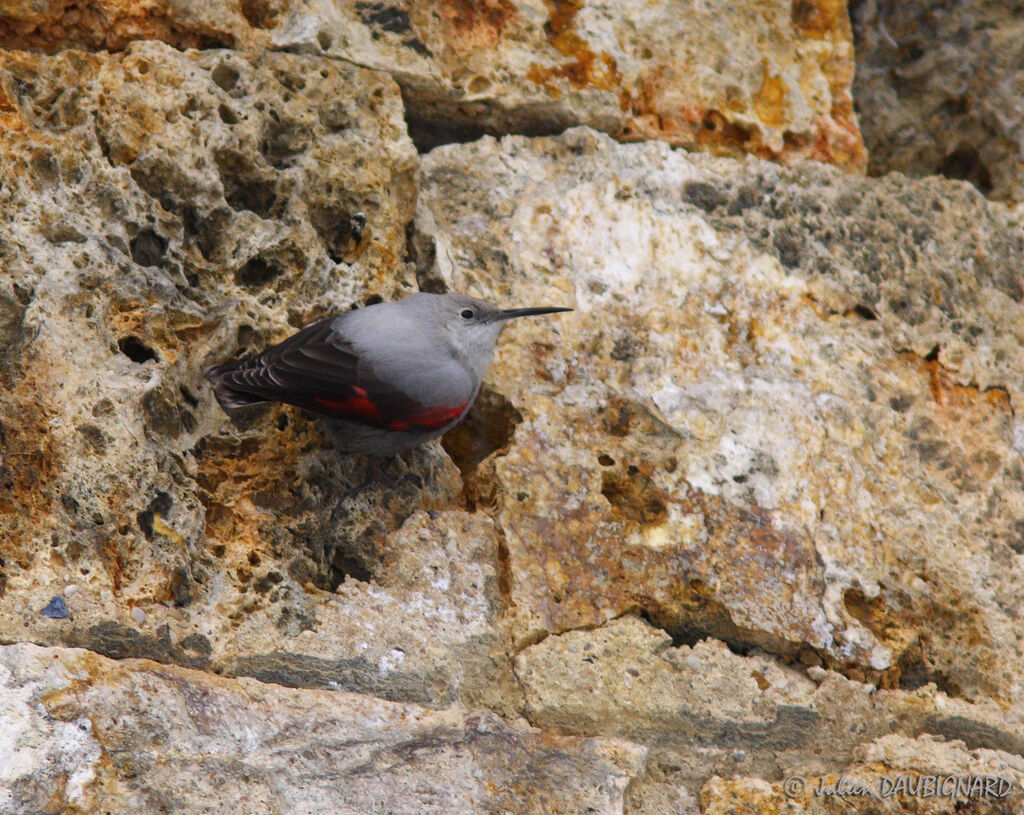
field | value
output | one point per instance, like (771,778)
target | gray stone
(938,91)
(87,733)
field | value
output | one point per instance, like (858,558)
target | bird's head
(472,326)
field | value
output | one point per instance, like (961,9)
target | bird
(387,377)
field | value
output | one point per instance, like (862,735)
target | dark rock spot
(104,408)
(209,231)
(864,312)
(227,115)
(337,227)
(45,169)
(95,439)
(788,248)
(335,116)
(56,609)
(418,46)
(965,164)
(745,198)
(282,141)
(11,314)
(160,505)
(901,403)
(258,272)
(116,641)
(148,247)
(164,411)
(489,427)
(225,76)
(135,349)
(181,588)
(188,396)
(427,133)
(246,187)
(268,581)
(384,17)
(260,13)
(197,643)
(704,195)
(357,560)
(634,496)
(356,225)
(69,503)
(302,671)
(624,349)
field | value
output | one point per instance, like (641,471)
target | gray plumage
(386,377)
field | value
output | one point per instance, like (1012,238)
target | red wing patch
(359,406)
(429,418)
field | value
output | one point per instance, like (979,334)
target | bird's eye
(468,314)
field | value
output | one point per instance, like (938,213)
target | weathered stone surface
(755,508)
(428,628)
(53,25)
(938,91)
(894,776)
(705,712)
(771,77)
(768,77)
(87,734)
(163,211)
(782,415)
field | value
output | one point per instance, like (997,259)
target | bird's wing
(319,370)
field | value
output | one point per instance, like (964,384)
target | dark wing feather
(318,370)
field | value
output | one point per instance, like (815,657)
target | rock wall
(753,512)
(939,90)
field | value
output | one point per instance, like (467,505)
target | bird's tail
(229,396)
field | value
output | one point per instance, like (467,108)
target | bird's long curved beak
(509,313)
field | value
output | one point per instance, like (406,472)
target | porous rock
(782,414)
(895,774)
(708,714)
(54,25)
(770,78)
(939,92)
(767,77)
(88,734)
(164,211)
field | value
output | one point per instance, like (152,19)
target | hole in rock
(864,312)
(225,76)
(965,164)
(245,187)
(432,128)
(489,427)
(135,349)
(257,273)
(148,247)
